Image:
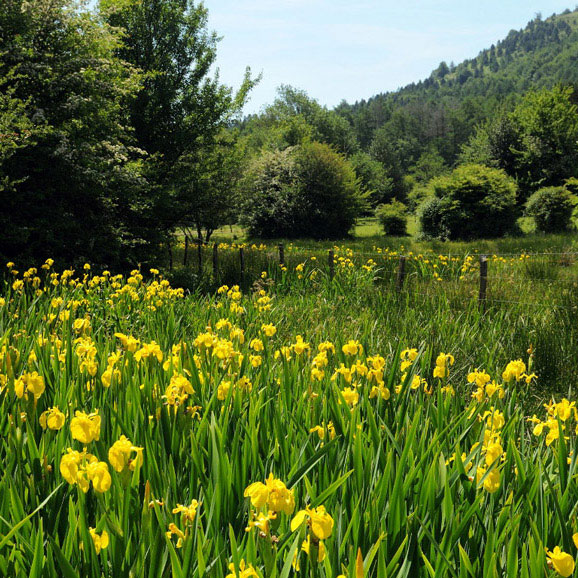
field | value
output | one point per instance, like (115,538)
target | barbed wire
(385,251)
(529,280)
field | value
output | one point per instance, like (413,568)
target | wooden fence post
(331,263)
(186,255)
(200,256)
(170,249)
(483,282)
(281,254)
(216,261)
(242,263)
(400,274)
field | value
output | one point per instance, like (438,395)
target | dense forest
(115,136)
(418,132)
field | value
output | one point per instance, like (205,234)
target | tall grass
(405,470)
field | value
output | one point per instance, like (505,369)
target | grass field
(366,228)
(335,426)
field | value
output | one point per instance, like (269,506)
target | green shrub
(305,191)
(429,215)
(551,208)
(473,202)
(393,218)
(418,195)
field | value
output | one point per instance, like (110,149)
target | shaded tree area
(99,113)
(116,136)
(69,174)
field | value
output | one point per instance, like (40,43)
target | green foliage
(428,166)
(472,202)
(304,191)
(205,195)
(571,185)
(551,208)
(384,150)
(430,216)
(330,189)
(373,178)
(69,176)
(547,122)
(295,118)
(417,196)
(537,143)
(393,218)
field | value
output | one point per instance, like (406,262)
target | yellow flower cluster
(52,419)
(188,515)
(29,383)
(120,455)
(111,373)
(320,527)
(558,414)
(85,427)
(273,494)
(86,352)
(81,468)
(485,386)
(443,363)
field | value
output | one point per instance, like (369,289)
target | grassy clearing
(400,415)
(367,236)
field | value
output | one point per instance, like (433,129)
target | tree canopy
(97,108)
(69,173)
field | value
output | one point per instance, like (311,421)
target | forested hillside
(398,141)
(116,138)
(442,109)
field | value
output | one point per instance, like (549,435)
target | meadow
(290,422)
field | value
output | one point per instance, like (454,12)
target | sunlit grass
(399,413)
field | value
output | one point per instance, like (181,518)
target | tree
(551,208)
(429,165)
(69,175)
(329,192)
(16,130)
(383,150)
(547,122)
(373,179)
(182,108)
(180,102)
(536,143)
(296,115)
(472,202)
(304,191)
(206,186)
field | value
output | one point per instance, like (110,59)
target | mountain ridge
(540,55)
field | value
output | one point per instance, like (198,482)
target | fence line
(394,254)
(398,273)
(548,279)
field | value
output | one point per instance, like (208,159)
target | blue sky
(337,49)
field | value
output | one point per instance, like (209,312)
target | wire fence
(533,280)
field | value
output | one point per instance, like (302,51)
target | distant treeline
(114,135)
